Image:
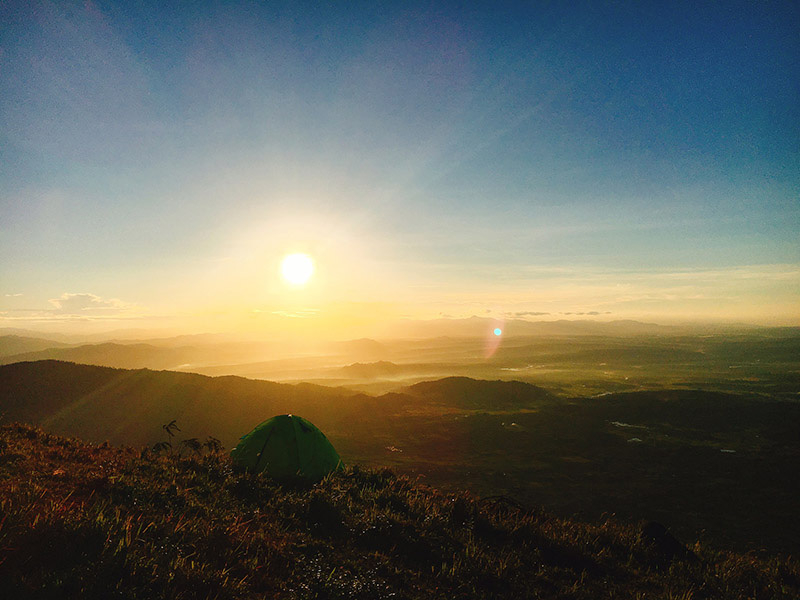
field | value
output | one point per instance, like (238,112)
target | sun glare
(297,268)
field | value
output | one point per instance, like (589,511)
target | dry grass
(81,521)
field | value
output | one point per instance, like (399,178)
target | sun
(297,268)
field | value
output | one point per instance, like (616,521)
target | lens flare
(493,337)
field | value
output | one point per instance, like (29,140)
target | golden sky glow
(431,163)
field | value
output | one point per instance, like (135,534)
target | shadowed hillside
(87,521)
(709,465)
(128,406)
(464,392)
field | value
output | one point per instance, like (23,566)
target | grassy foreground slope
(79,520)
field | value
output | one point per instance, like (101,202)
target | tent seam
(263,448)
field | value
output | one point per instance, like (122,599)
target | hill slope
(108,354)
(17,344)
(97,521)
(129,406)
(373,370)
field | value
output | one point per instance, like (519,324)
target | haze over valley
(570,357)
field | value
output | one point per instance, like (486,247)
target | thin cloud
(76,307)
(88,304)
(303,313)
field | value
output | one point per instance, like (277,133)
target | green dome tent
(286,446)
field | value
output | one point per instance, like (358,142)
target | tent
(286,446)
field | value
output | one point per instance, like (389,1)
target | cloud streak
(76,307)
(88,304)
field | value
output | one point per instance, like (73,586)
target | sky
(626,160)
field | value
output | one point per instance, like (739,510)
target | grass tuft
(95,521)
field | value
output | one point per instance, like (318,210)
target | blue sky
(441,157)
